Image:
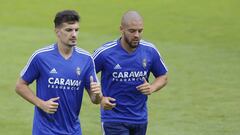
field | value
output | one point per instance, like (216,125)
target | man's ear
(57,32)
(121,28)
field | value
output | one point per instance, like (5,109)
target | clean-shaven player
(61,71)
(125,65)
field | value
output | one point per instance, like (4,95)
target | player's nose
(74,33)
(136,34)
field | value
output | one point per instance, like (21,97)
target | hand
(145,88)
(95,87)
(50,106)
(107,104)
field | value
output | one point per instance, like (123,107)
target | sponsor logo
(129,76)
(64,84)
(117,67)
(53,71)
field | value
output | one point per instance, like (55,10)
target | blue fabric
(58,77)
(121,128)
(121,73)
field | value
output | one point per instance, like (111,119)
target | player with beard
(61,71)
(125,65)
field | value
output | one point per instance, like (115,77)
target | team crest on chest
(144,63)
(78,71)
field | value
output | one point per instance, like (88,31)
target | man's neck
(126,47)
(65,51)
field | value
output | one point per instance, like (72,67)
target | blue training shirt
(121,73)
(58,77)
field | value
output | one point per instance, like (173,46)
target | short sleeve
(158,67)
(90,72)
(98,60)
(31,70)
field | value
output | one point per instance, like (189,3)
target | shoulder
(146,44)
(43,51)
(83,53)
(104,48)
(150,47)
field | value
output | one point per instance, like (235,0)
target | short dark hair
(69,16)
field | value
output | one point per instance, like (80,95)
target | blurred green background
(199,41)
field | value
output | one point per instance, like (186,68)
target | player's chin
(134,44)
(72,44)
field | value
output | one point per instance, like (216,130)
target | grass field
(199,41)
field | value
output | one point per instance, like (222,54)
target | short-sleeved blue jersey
(121,73)
(58,77)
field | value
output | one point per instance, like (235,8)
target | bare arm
(157,84)
(24,91)
(95,92)
(108,103)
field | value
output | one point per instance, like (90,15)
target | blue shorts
(122,128)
